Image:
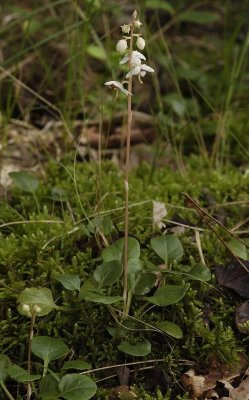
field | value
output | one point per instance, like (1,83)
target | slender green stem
(31,334)
(7,392)
(126,183)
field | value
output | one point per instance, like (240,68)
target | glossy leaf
(108,273)
(69,281)
(41,297)
(24,181)
(77,387)
(21,375)
(137,350)
(168,248)
(167,295)
(171,329)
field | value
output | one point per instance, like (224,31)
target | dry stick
(126,183)
(202,211)
(203,214)
(198,243)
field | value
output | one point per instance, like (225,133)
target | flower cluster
(133,58)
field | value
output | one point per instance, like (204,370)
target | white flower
(140,43)
(126,28)
(136,55)
(139,70)
(121,46)
(137,23)
(117,85)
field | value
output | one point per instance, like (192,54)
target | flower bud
(121,46)
(126,28)
(140,43)
(37,309)
(137,23)
(25,308)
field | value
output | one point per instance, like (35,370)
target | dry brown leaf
(200,386)
(242,391)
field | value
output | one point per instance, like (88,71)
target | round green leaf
(108,273)
(69,281)
(24,181)
(77,364)
(77,387)
(21,375)
(49,387)
(168,248)
(4,365)
(137,350)
(33,298)
(171,329)
(48,349)
(166,295)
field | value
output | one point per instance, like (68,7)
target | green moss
(67,236)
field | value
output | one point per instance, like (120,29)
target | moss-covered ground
(62,228)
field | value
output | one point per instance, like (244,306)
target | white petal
(146,68)
(139,55)
(134,71)
(142,74)
(115,84)
(135,61)
(125,59)
(118,85)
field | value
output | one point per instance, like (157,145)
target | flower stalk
(139,69)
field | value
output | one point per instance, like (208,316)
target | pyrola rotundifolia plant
(129,47)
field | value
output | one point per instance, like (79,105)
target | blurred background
(55,56)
